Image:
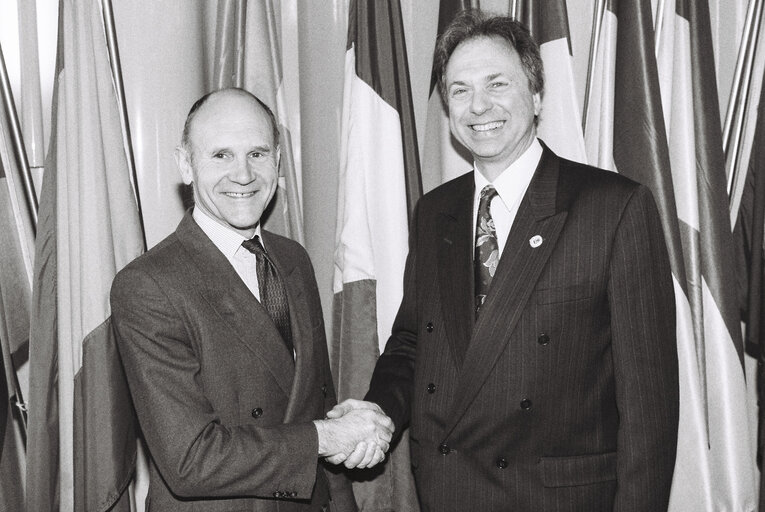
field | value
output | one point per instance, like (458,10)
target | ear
(183,161)
(537,104)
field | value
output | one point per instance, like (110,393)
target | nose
(479,102)
(241,172)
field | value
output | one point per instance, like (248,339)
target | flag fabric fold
(656,112)
(248,55)
(89,229)
(379,184)
(560,121)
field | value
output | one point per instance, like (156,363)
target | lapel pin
(535,241)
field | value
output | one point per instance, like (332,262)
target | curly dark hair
(473,23)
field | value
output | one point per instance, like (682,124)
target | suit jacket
(563,395)
(225,411)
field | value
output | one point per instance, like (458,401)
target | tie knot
(253,245)
(488,192)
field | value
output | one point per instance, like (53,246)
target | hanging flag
(248,55)
(379,184)
(17,242)
(560,121)
(87,233)
(715,448)
(750,250)
(443,157)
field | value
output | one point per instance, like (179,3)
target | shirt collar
(225,239)
(512,183)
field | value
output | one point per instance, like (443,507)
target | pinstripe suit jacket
(225,411)
(563,395)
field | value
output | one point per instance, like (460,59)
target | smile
(239,195)
(487,126)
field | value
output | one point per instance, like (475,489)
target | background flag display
(379,183)
(88,230)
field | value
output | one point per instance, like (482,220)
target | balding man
(221,334)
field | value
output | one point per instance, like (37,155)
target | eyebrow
(488,78)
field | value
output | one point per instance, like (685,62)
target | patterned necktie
(486,248)
(272,293)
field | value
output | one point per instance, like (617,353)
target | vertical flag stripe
(379,183)
(560,122)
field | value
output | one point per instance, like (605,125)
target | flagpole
(119,88)
(659,25)
(735,87)
(18,143)
(743,101)
(597,22)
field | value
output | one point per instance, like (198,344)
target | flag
(681,162)
(750,264)
(17,242)
(715,448)
(89,229)
(248,55)
(443,157)
(560,120)
(378,185)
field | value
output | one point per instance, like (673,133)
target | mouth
(487,127)
(238,195)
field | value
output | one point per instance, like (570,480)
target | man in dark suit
(534,350)
(221,335)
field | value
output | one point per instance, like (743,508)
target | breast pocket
(564,293)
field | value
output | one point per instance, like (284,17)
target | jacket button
(277,494)
(429,327)
(525,404)
(444,449)
(257,412)
(431,388)
(501,463)
(324,389)
(543,339)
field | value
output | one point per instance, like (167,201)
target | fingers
(351,404)
(356,456)
(337,459)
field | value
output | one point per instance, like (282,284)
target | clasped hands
(355,433)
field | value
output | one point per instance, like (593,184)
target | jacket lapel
(227,294)
(538,220)
(455,266)
(300,321)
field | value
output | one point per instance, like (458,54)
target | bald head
(210,100)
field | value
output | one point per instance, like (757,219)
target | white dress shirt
(511,186)
(229,242)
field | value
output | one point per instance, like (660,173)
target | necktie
(272,293)
(486,248)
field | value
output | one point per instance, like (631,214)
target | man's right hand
(355,433)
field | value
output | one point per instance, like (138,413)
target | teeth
(239,194)
(488,126)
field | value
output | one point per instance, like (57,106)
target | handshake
(355,433)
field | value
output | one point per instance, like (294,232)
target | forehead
(482,56)
(231,118)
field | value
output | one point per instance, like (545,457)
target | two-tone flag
(443,157)
(248,55)
(715,461)
(560,119)
(17,243)
(89,229)
(378,186)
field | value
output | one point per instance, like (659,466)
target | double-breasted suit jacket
(224,409)
(563,395)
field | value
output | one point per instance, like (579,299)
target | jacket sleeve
(393,378)
(642,305)
(197,454)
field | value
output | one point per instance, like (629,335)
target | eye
(458,92)
(220,155)
(497,84)
(257,154)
